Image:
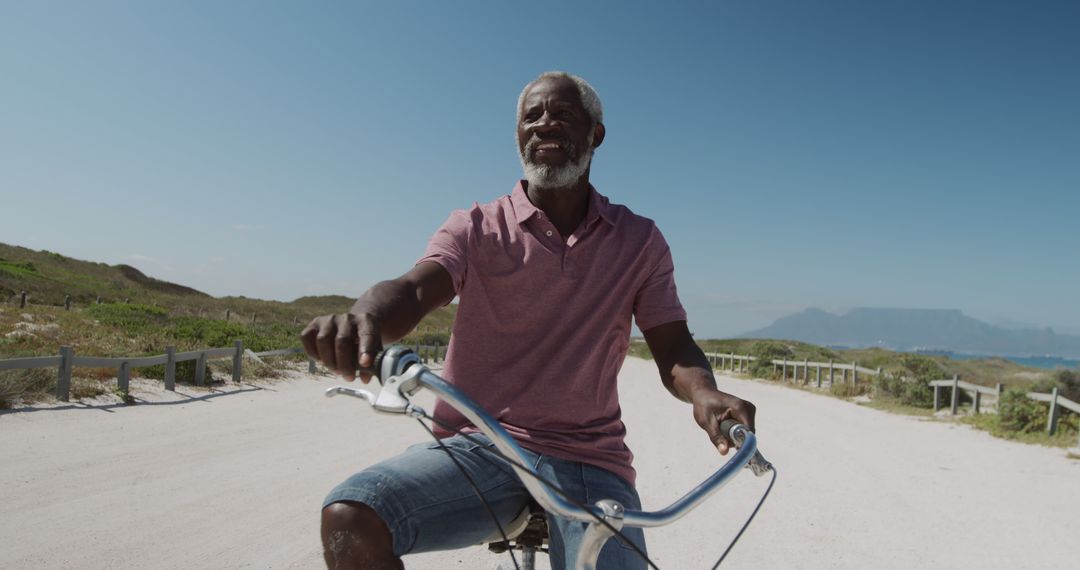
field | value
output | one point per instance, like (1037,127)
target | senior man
(548,278)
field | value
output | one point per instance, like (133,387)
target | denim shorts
(429,505)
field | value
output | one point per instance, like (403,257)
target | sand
(234,477)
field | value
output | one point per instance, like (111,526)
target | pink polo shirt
(543,326)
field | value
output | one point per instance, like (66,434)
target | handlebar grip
(727,427)
(376,365)
(392,360)
(735,432)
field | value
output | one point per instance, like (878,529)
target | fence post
(937,397)
(310,366)
(436,360)
(1051,421)
(63,378)
(955,393)
(783,371)
(774,367)
(978,399)
(805,370)
(67,302)
(253,318)
(228,313)
(200,369)
(832,373)
(854,373)
(170,368)
(999,389)
(818,375)
(22,299)
(238,362)
(98,300)
(123,377)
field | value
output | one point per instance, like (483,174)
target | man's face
(555,134)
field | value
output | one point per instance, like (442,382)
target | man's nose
(546,124)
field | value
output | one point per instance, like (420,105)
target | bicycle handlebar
(402,374)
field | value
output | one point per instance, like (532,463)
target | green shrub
(1018,413)
(1068,384)
(17,268)
(128,316)
(766,351)
(207,332)
(918,392)
(185,371)
(32,383)
(910,385)
(847,389)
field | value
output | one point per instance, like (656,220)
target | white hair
(589,98)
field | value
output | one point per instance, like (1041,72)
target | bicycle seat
(528,530)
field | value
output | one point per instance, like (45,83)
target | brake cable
(748,520)
(476,489)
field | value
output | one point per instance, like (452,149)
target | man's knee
(353,533)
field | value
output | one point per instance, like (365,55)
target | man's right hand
(346,343)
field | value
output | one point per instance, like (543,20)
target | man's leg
(418,501)
(588,484)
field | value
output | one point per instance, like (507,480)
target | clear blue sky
(795,154)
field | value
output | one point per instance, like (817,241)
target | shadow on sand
(182,397)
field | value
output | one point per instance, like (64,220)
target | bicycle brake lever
(736,432)
(354,392)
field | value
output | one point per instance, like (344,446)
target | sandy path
(235,481)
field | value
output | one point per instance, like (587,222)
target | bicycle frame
(403,374)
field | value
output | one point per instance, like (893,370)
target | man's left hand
(712,406)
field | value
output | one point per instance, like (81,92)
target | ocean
(1044,362)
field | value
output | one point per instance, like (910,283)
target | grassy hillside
(139,315)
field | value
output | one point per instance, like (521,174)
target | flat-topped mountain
(914,329)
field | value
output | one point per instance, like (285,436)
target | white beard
(548,177)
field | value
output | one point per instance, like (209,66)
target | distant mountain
(914,329)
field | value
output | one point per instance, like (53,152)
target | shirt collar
(599,208)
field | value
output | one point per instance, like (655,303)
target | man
(548,279)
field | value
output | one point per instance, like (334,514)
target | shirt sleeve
(449,247)
(657,301)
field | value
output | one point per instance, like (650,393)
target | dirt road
(235,479)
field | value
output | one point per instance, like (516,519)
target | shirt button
(548,233)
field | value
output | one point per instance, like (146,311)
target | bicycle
(402,374)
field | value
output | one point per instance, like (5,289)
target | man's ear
(598,134)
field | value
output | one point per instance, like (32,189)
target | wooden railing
(741,363)
(1055,400)
(67,360)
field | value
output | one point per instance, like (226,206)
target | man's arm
(383,314)
(686,373)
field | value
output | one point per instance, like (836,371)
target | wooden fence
(976,392)
(741,363)
(67,360)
